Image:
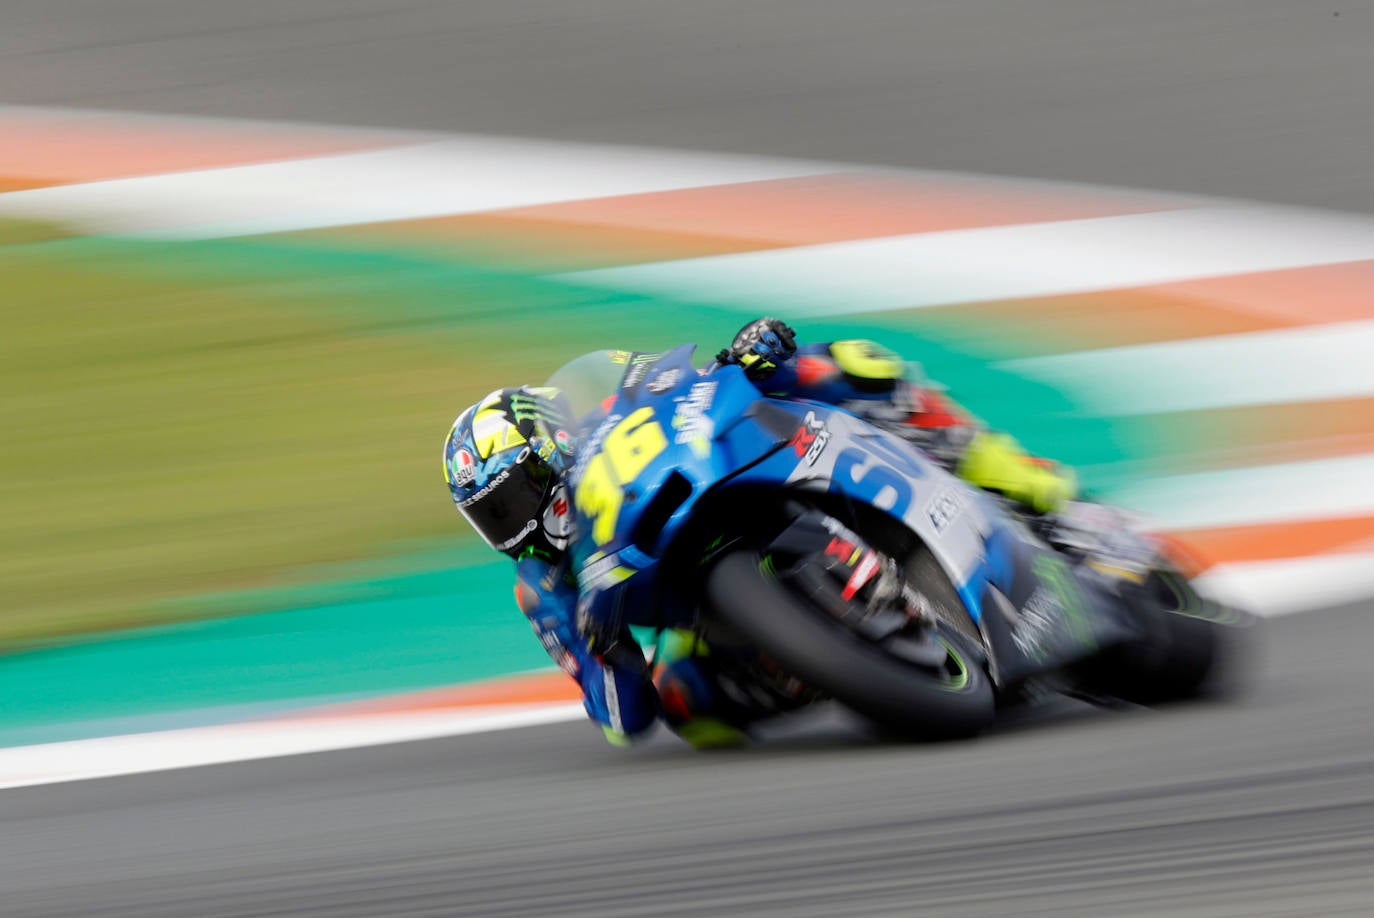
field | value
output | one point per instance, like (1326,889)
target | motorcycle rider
(506,460)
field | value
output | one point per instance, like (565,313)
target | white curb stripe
(1284,492)
(1006,262)
(1273,588)
(1255,368)
(452,176)
(105,757)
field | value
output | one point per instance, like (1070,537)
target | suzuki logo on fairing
(811,438)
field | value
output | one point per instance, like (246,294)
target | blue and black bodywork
(683,469)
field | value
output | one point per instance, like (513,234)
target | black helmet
(505,459)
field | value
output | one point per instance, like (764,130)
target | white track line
(1290,365)
(1284,492)
(452,176)
(1006,262)
(104,757)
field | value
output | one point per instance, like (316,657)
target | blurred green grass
(165,437)
(185,419)
(193,418)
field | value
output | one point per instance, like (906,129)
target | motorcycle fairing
(719,432)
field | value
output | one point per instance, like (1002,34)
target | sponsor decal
(612,696)
(843,549)
(463,468)
(1054,611)
(593,445)
(810,439)
(564,440)
(665,380)
(1053,572)
(639,365)
(491,485)
(518,537)
(844,544)
(1039,616)
(558,522)
(525,407)
(690,421)
(600,574)
(554,647)
(863,573)
(864,562)
(944,508)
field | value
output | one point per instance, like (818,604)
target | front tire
(824,654)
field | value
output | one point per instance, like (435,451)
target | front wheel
(954,698)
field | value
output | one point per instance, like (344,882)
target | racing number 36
(625,452)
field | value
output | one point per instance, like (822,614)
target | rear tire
(1186,652)
(826,655)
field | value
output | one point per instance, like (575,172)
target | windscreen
(586,381)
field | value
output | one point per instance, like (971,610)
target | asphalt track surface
(1261,805)
(1266,99)
(1258,806)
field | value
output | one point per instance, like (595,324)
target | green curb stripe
(366,638)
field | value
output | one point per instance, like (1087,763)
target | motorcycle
(863,569)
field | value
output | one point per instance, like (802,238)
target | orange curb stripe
(537,688)
(46,149)
(1233,304)
(540,246)
(840,206)
(1276,541)
(13,183)
(1063,324)
(1294,296)
(1264,434)
(751,216)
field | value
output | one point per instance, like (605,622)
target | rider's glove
(760,347)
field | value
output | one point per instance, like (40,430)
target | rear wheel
(950,695)
(1184,649)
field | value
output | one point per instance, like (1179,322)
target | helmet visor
(506,512)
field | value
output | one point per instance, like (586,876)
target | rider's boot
(692,702)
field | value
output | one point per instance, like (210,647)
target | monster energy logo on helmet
(538,406)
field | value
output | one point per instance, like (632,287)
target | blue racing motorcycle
(859,566)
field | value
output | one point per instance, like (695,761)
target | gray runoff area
(1266,99)
(1260,806)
